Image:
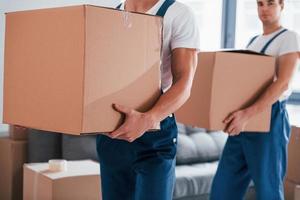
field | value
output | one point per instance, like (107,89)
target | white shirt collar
(151,11)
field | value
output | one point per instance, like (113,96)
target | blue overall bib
(143,169)
(260,157)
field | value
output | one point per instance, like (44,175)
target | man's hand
(236,122)
(135,125)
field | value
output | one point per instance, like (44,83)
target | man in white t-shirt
(261,157)
(140,165)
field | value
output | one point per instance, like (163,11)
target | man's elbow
(187,92)
(284,85)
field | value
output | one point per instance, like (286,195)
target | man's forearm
(269,97)
(170,101)
(287,66)
(184,64)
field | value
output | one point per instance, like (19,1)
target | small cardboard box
(80,181)
(293,171)
(291,190)
(17,133)
(226,81)
(13,154)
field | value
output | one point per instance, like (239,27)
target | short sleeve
(185,31)
(290,44)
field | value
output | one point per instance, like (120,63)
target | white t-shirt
(287,42)
(180,30)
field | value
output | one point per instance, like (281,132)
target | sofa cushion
(194,180)
(43,145)
(181,128)
(192,129)
(220,139)
(200,147)
(79,147)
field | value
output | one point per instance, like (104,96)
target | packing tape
(57,165)
(126,19)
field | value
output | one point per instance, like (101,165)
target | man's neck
(141,6)
(271,28)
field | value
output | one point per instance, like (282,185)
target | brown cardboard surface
(297,193)
(80,181)
(17,133)
(223,83)
(293,172)
(291,190)
(13,154)
(70,64)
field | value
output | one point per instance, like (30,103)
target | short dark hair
(281,1)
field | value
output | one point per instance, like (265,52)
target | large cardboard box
(291,190)
(13,154)
(80,181)
(293,171)
(17,133)
(225,82)
(65,67)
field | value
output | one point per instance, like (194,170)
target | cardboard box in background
(64,67)
(225,82)
(80,181)
(293,171)
(291,190)
(17,133)
(13,154)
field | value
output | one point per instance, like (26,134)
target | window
(290,15)
(209,16)
(248,25)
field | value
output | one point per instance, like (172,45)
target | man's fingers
(229,119)
(120,131)
(233,132)
(122,109)
(122,137)
(127,137)
(227,129)
(106,134)
(230,129)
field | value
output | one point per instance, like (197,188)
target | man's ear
(282,5)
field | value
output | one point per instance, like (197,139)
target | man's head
(269,11)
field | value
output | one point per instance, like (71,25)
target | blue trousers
(261,157)
(141,170)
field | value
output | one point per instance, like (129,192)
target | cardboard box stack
(13,154)
(17,133)
(65,67)
(226,81)
(292,183)
(80,181)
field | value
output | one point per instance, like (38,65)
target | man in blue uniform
(140,165)
(261,157)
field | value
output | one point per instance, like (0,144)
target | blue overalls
(260,157)
(143,169)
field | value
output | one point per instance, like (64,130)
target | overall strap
(119,6)
(164,7)
(162,10)
(251,41)
(263,51)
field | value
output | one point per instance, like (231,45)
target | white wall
(16,5)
